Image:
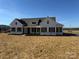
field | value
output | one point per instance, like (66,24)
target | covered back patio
(43,30)
(37,30)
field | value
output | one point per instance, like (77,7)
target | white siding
(13,24)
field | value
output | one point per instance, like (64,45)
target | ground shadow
(70,34)
(64,34)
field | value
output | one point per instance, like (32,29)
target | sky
(65,11)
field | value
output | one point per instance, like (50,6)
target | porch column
(55,30)
(62,29)
(47,29)
(16,29)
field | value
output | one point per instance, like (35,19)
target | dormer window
(33,22)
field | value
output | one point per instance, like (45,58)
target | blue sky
(66,11)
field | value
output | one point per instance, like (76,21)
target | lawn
(72,31)
(38,47)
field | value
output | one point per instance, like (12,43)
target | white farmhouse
(36,26)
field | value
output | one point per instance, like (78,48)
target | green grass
(72,31)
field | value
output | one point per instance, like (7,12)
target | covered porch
(43,30)
(37,30)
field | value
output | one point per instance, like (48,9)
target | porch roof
(59,24)
(31,26)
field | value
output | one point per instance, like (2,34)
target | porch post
(47,29)
(62,29)
(22,30)
(55,30)
(16,29)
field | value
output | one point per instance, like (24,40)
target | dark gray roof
(38,18)
(23,22)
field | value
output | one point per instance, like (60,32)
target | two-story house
(36,26)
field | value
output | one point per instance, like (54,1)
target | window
(33,22)
(13,29)
(44,29)
(38,29)
(33,29)
(19,29)
(59,29)
(51,29)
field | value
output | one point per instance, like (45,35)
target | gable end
(23,22)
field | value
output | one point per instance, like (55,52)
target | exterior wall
(47,33)
(59,33)
(13,25)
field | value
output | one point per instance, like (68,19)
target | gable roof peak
(22,22)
